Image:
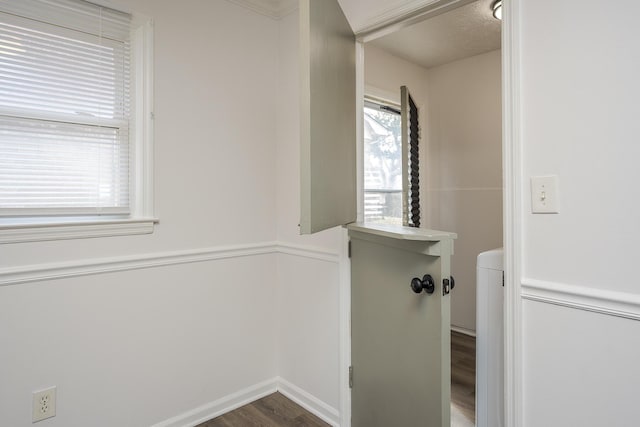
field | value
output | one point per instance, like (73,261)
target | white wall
(461,155)
(384,73)
(579,120)
(133,348)
(139,347)
(580,96)
(464,167)
(581,368)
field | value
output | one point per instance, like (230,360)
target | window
(74,120)
(391,161)
(382,163)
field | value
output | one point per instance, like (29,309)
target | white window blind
(64,109)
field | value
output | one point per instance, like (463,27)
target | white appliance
(489,339)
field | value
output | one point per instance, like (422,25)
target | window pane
(50,69)
(382,167)
(61,166)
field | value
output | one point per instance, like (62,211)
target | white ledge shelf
(402,233)
(64,230)
(421,240)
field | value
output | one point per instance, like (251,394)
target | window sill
(37,232)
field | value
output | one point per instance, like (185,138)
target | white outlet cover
(44,404)
(544,194)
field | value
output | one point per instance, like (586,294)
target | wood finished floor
(463,380)
(276,410)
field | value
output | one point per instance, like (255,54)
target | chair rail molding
(67,269)
(610,303)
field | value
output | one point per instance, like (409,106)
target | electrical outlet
(44,404)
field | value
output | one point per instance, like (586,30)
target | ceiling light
(496,7)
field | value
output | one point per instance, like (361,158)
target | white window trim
(141,220)
(385,96)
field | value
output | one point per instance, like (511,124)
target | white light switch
(544,194)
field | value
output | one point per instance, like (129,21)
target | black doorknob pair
(427,284)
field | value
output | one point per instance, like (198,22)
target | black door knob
(426,283)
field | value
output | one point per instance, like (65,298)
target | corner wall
(463,190)
(309,290)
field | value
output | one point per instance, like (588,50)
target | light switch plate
(544,194)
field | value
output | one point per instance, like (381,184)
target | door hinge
(349,249)
(350,376)
(503,279)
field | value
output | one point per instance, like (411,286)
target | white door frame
(513,181)
(393,20)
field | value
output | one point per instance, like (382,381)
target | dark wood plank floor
(463,380)
(276,410)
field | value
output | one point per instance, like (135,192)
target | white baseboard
(221,406)
(240,398)
(309,402)
(464,331)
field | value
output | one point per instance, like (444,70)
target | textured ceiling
(272,8)
(460,33)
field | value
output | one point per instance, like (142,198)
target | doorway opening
(451,62)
